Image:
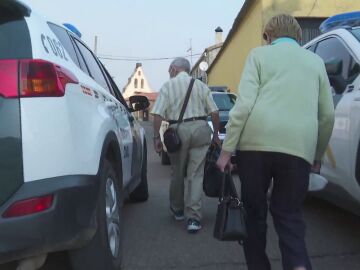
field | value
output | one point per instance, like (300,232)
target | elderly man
(195,134)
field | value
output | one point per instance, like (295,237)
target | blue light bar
(344,20)
(73,29)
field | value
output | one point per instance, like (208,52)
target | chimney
(138,65)
(218,35)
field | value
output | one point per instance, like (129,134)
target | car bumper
(68,224)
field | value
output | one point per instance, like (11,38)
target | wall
(308,8)
(228,68)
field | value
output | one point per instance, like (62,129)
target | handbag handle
(227,178)
(187,97)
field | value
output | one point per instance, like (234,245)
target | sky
(129,29)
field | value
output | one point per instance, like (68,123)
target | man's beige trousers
(186,186)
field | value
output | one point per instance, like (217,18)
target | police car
(339,47)
(70,149)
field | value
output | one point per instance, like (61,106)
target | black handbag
(172,140)
(230,217)
(212,174)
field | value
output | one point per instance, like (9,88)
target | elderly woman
(280,126)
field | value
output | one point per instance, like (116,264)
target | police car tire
(141,192)
(97,254)
(165,160)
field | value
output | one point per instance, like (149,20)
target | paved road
(154,241)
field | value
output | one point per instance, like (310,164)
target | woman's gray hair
(283,25)
(182,63)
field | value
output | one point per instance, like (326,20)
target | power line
(134,59)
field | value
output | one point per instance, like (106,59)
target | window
(139,73)
(14,37)
(332,48)
(224,102)
(65,40)
(136,83)
(82,63)
(92,64)
(116,91)
(356,33)
(142,83)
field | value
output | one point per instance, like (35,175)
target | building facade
(208,56)
(246,32)
(138,85)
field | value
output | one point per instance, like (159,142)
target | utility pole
(191,52)
(95,45)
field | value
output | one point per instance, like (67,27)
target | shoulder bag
(171,137)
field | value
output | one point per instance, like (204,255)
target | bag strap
(227,181)
(187,97)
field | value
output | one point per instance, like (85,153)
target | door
(119,121)
(338,164)
(136,149)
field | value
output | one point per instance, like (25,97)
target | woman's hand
(224,161)
(315,168)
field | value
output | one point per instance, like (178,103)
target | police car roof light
(344,20)
(73,29)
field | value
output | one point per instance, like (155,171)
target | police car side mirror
(138,103)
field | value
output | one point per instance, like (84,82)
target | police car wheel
(141,192)
(104,251)
(165,160)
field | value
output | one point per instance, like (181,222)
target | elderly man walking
(195,134)
(281,125)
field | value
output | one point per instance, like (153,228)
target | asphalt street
(153,240)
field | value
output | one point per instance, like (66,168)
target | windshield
(224,102)
(356,33)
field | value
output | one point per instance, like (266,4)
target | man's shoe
(193,226)
(178,215)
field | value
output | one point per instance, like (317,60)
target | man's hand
(224,161)
(316,167)
(158,144)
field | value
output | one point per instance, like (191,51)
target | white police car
(70,150)
(339,47)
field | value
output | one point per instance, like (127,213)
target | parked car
(339,47)
(70,149)
(224,101)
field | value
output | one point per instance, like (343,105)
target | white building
(137,84)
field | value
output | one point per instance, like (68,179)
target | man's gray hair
(182,63)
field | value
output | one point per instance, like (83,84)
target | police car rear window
(15,40)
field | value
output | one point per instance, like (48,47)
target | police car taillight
(40,78)
(33,78)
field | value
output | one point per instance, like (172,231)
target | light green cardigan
(284,104)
